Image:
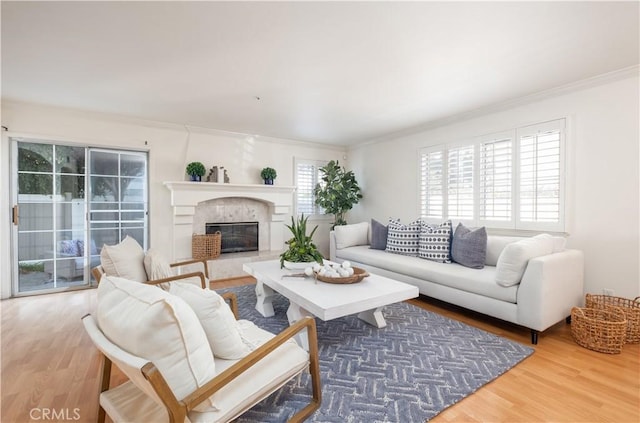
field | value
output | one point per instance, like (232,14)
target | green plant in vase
(196,170)
(268,174)
(301,247)
(338,192)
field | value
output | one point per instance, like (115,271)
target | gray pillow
(469,247)
(378,235)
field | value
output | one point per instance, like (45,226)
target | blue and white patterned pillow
(435,242)
(403,239)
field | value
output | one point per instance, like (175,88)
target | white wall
(170,149)
(603,178)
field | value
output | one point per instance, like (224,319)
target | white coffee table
(308,297)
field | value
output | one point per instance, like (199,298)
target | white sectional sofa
(551,285)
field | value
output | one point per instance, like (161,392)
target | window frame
(318,211)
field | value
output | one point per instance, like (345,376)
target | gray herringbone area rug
(409,371)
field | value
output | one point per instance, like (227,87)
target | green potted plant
(196,170)
(268,174)
(338,192)
(301,247)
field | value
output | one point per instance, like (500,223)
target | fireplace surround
(272,206)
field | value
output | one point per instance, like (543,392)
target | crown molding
(617,75)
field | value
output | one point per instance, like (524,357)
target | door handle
(16,215)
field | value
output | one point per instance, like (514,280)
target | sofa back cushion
(124,260)
(514,258)
(495,245)
(157,326)
(351,235)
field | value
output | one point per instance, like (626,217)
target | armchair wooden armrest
(233,302)
(194,261)
(203,281)
(179,409)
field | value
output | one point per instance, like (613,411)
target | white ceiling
(330,72)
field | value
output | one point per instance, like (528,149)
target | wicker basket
(206,246)
(599,329)
(631,310)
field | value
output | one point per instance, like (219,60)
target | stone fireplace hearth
(196,203)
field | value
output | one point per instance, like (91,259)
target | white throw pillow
(156,266)
(559,243)
(216,318)
(157,326)
(351,235)
(514,258)
(125,260)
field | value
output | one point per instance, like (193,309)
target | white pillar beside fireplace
(185,196)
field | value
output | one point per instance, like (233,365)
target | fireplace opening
(236,236)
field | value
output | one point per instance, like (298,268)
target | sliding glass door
(68,202)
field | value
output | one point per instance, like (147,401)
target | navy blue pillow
(378,235)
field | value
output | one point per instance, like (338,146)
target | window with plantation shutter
(513,179)
(496,180)
(432,184)
(307,176)
(540,159)
(460,194)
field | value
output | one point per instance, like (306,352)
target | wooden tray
(358,275)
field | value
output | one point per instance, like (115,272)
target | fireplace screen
(236,236)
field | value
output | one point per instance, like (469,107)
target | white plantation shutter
(540,185)
(496,180)
(512,179)
(432,184)
(460,189)
(307,176)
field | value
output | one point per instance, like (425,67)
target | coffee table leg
(373,317)
(264,299)
(295,313)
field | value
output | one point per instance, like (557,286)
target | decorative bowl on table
(358,275)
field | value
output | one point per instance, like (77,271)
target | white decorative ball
(350,271)
(308,271)
(346,264)
(343,273)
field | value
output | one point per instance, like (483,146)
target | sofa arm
(550,287)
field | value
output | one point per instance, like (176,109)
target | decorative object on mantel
(196,171)
(268,174)
(301,246)
(213,174)
(226,177)
(338,192)
(206,246)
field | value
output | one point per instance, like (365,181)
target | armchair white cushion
(151,323)
(216,318)
(125,260)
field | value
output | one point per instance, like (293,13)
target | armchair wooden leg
(105,381)
(314,370)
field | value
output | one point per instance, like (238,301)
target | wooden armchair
(98,272)
(147,397)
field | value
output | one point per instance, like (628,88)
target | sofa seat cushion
(268,375)
(476,281)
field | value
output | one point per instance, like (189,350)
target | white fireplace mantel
(185,196)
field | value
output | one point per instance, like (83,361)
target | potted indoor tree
(268,174)
(196,170)
(338,192)
(302,250)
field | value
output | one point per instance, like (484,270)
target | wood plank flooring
(50,369)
